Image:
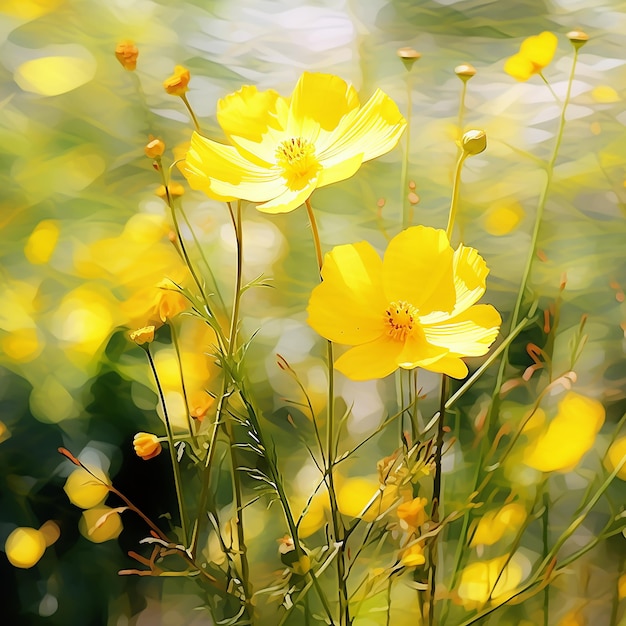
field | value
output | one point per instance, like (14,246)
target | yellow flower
(154,148)
(176,85)
(143,335)
(413,556)
(284,148)
(621,587)
(126,53)
(24,547)
(495,524)
(84,490)
(412,513)
(415,308)
(175,190)
(100,524)
(170,301)
(569,435)
(146,445)
(615,455)
(535,53)
(575,617)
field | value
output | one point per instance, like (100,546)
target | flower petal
(417,352)
(289,199)
(539,49)
(372,131)
(348,306)
(375,359)
(318,103)
(468,334)
(417,269)
(222,171)
(340,171)
(450,365)
(519,67)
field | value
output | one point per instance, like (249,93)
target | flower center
(400,319)
(296,157)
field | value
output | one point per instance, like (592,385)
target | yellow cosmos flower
(535,53)
(413,513)
(415,308)
(569,436)
(282,149)
(495,524)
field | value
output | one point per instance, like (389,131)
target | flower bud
(176,190)
(474,142)
(176,85)
(408,56)
(146,445)
(154,148)
(126,53)
(143,335)
(465,71)
(578,38)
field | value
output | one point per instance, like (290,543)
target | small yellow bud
(143,335)
(126,53)
(474,142)
(408,56)
(465,71)
(154,148)
(578,38)
(176,190)
(176,85)
(146,445)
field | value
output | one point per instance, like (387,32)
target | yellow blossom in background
(175,190)
(495,524)
(170,301)
(315,516)
(503,218)
(22,345)
(28,9)
(494,580)
(412,513)
(154,148)
(146,445)
(143,335)
(413,556)
(355,494)
(84,490)
(199,404)
(534,55)
(621,587)
(569,436)
(100,524)
(615,455)
(42,242)
(126,53)
(575,617)
(282,149)
(415,308)
(24,547)
(177,83)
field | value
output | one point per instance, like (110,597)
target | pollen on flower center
(400,319)
(296,157)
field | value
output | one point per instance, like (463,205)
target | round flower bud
(408,56)
(24,547)
(154,148)
(143,335)
(146,445)
(126,53)
(465,71)
(176,85)
(176,190)
(474,142)
(578,38)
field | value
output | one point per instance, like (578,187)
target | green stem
(546,537)
(182,381)
(170,439)
(456,184)
(406,207)
(194,119)
(338,528)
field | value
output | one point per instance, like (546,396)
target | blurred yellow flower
(535,53)
(569,436)
(362,497)
(413,513)
(176,190)
(154,148)
(413,556)
(615,455)
(24,547)
(142,335)
(575,617)
(177,84)
(282,149)
(415,308)
(199,404)
(495,524)
(621,587)
(126,53)
(84,490)
(146,445)
(100,524)
(493,580)
(170,301)
(42,242)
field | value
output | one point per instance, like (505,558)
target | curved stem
(455,193)
(170,440)
(194,119)
(174,334)
(406,208)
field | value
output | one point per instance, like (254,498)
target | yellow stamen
(296,157)
(400,318)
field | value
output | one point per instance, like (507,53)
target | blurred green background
(84,237)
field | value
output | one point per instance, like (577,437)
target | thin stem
(194,119)
(455,193)
(338,528)
(174,334)
(170,439)
(406,207)
(545,538)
